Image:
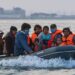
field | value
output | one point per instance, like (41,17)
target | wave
(33,62)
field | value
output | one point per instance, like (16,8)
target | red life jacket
(36,48)
(53,36)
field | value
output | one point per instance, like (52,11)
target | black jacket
(10,41)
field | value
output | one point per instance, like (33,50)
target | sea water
(33,65)
(6,24)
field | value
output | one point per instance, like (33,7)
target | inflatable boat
(65,52)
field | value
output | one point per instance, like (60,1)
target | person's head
(1,34)
(58,41)
(36,41)
(37,28)
(66,31)
(25,28)
(13,30)
(53,28)
(46,29)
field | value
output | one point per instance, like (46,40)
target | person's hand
(30,52)
(25,53)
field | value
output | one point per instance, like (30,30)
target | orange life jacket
(68,40)
(53,36)
(33,37)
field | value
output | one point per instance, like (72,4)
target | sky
(47,6)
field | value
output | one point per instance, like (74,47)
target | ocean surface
(32,65)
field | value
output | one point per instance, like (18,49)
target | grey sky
(61,6)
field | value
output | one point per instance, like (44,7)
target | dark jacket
(1,46)
(10,41)
(21,44)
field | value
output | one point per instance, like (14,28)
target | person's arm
(24,43)
(40,36)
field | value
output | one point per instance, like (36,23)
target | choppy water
(34,62)
(32,65)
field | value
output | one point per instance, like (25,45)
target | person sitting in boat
(21,42)
(68,37)
(37,31)
(58,42)
(1,42)
(10,41)
(44,37)
(37,45)
(55,33)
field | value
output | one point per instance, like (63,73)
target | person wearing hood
(10,41)
(21,42)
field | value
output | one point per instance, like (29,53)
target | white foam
(36,62)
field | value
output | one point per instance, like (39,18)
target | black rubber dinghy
(65,52)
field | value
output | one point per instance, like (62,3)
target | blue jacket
(21,44)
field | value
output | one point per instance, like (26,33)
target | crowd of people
(16,43)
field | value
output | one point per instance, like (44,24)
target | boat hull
(65,52)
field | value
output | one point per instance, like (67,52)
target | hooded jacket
(9,41)
(21,44)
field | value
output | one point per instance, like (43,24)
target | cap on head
(53,26)
(13,28)
(25,26)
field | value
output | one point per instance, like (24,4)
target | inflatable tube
(65,52)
